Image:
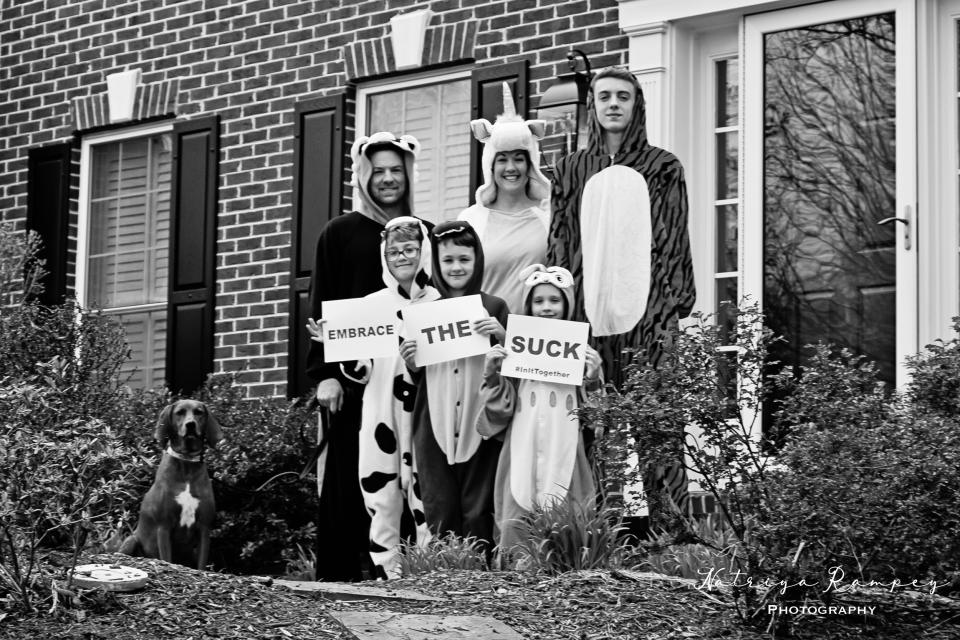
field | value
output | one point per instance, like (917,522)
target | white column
(649,62)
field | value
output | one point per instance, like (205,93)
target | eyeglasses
(392,255)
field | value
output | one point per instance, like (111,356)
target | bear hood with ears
(407,146)
(508,133)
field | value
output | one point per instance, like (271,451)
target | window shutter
(487,95)
(48,210)
(318,197)
(193,247)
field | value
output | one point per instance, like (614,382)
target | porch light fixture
(564,107)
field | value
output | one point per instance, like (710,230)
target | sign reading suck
(545,349)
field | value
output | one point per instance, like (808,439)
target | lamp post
(564,107)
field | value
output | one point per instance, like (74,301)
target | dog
(177,513)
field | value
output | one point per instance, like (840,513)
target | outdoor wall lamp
(564,107)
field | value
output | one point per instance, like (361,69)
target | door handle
(907,221)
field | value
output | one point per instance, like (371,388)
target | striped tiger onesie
(619,224)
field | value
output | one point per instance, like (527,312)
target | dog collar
(180,456)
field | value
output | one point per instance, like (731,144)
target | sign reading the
(360,328)
(545,349)
(443,329)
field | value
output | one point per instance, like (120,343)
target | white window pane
(146,336)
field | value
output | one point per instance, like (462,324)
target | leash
(317,451)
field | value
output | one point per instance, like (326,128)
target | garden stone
(386,625)
(345,591)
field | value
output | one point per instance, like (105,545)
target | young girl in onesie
(456,465)
(543,458)
(387,472)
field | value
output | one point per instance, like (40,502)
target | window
(436,111)
(124,239)
(726,135)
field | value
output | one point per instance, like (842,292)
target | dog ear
(214,433)
(162,432)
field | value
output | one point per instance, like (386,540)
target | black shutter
(193,252)
(317,197)
(48,210)
(487,97)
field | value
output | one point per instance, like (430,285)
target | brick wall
(247,62)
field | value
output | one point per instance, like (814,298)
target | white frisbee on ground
(110,577)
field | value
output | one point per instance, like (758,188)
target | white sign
(444,329)
(358,328)
(545,349)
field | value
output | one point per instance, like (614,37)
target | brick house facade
(243,89)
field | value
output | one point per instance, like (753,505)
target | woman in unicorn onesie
(512,211)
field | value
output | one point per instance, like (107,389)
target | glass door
(829,180)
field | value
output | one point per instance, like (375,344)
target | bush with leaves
(264,509)
(693,390)
(868,481)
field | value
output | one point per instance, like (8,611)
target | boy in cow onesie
(387,473)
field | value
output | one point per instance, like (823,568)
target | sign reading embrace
(443,329)
(545,349)
(358,328)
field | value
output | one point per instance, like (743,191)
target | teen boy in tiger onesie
(619,224)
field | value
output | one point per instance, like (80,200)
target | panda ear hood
(509,133)
(407,146)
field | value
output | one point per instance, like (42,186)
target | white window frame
(906,144)
(938,96)
(83,208)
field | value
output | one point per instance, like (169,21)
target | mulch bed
(184,604)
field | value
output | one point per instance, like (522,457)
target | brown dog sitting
(177,513)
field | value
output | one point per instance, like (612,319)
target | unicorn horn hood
(365,146)
(508,133)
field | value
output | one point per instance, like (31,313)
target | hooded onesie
(543,458)
(387,473)
(456,464)
(512,240)
(620,226)
(348,265)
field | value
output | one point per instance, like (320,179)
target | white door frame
(753,29)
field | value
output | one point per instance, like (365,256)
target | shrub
(868,481)
(860,477)
(264,509)
(694,389)
(62,475)
(443,552)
